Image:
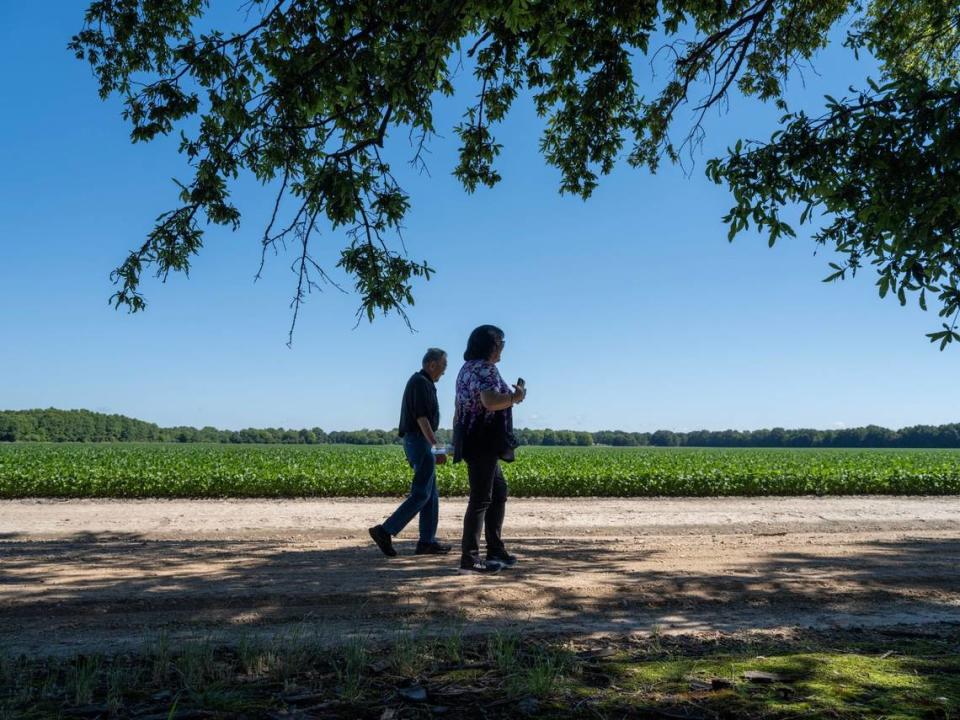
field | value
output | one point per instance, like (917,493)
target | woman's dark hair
(482,341)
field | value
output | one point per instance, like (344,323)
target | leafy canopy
(306,94)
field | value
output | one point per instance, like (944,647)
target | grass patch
(506,674)
(351,666)
(856,678)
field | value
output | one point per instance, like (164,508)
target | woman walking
(483,435)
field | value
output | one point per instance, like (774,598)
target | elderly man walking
(419,420)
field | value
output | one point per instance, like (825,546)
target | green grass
(823,683)
(841,675)
(155,470)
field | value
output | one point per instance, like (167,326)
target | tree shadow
(118,588)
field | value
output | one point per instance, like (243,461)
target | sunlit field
(157,470)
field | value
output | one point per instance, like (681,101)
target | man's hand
(519,394)
(427,431)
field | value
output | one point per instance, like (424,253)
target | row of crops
(140,470)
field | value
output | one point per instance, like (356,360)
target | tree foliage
(305,95)
(85,426)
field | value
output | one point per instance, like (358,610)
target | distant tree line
(84,426)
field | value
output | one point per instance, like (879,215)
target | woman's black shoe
(504,559)
(432,549)
(476,566)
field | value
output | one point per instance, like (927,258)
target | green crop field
(157,470)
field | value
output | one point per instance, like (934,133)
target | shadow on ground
(120,588)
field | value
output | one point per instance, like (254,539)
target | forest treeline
(85,426)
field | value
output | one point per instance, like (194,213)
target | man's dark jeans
(423,497)
(486,508)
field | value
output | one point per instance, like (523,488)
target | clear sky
(628,311)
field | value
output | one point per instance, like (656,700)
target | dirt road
(84,575)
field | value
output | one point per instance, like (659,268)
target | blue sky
(629,311)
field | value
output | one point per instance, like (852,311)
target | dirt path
(81,575)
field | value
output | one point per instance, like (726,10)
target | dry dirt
(107,575)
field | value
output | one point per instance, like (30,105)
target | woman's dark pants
(485,510)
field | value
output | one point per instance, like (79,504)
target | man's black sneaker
(383,540)
(503,559)
(476,566)
(434,548)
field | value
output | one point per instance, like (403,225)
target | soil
(110,575)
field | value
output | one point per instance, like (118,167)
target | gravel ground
(85,575)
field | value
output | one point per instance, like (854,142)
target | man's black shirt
(419,400)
